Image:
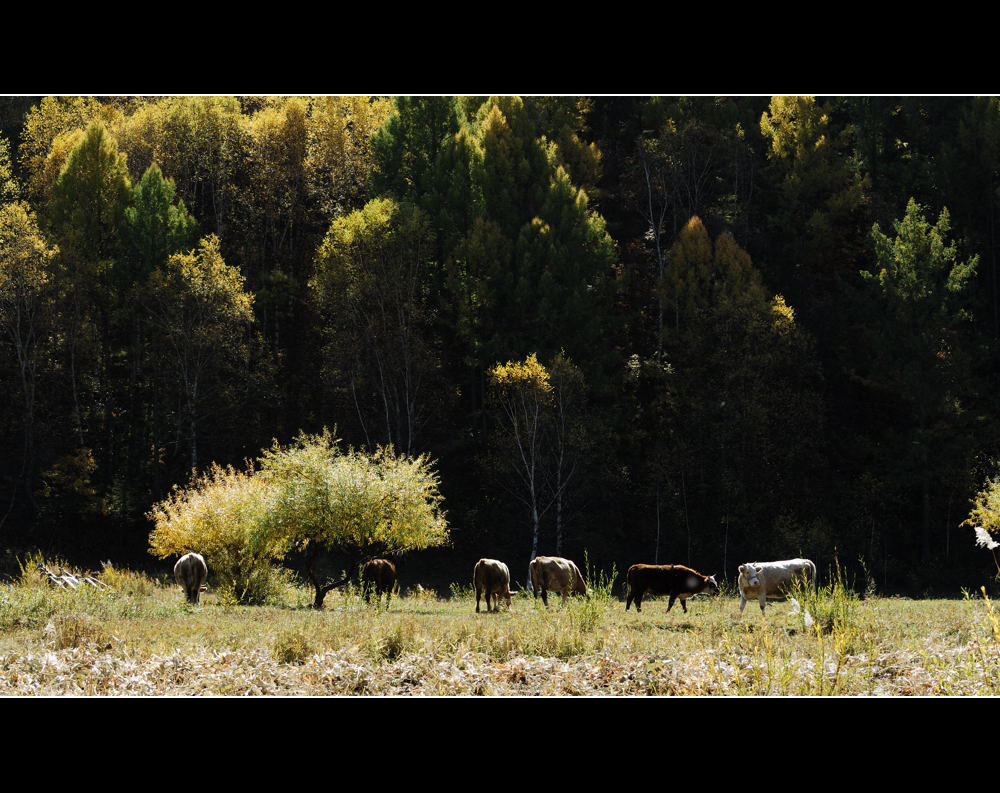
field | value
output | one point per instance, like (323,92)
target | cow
(492,577)
(763,580)
(675,580)
(378,575)
(558,574)
(191,572)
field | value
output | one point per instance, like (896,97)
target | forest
(696,330)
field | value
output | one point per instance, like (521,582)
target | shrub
(292,647)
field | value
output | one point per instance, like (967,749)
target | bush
(829,608)
(292,647)
(227,516)
(127,582)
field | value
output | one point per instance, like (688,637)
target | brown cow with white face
(556,574)
(378,575)
(675,580)
(191,572)
(492,578)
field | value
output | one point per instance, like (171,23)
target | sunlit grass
(141,637)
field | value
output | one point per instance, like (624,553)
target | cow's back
(380,572)
(777,578)
(492,575)
(551,572)
(190,572)
(660,579)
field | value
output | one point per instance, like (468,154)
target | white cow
(763,580)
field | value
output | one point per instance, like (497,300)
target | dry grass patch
(141,637)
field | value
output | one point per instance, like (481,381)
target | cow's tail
(813,576)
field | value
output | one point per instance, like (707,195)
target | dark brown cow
(378,575)
(675,580)
(492,578)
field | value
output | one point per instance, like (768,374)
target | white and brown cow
(492,579)
(558,575)
(762,580)
(191,572)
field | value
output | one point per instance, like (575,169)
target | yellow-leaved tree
(984,517)
(310,495)
(228,516)
(362,505)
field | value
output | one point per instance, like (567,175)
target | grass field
(141,638)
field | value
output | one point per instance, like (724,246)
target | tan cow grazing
(675,580)
(378,575)
(556,574)
(191,572)
(492,578)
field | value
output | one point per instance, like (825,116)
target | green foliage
(369,504)
(826,609)
(90,196)
(373,283)
(153,225)
(920,268)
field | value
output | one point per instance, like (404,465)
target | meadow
(141,638)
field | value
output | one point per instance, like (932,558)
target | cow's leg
(388,597)
(684,605)
(743,602)
(638,600)
(628,598)
(670,605)
(478,595)
(763,601)
(545,598)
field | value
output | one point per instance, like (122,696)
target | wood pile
(68,580)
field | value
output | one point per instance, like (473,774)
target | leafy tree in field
(920,283)
(26,272)
(310,495)
(201,308)
(540,433)
(363,505)
(521,393)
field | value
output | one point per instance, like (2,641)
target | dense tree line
(675,329)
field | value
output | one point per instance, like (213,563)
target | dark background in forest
(740,388)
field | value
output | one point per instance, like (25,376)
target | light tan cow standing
(492,578)
(191,572)
(558,575)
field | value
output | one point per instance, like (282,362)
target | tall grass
(441,645)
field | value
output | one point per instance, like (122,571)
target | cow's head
(711,585)
(749,575)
